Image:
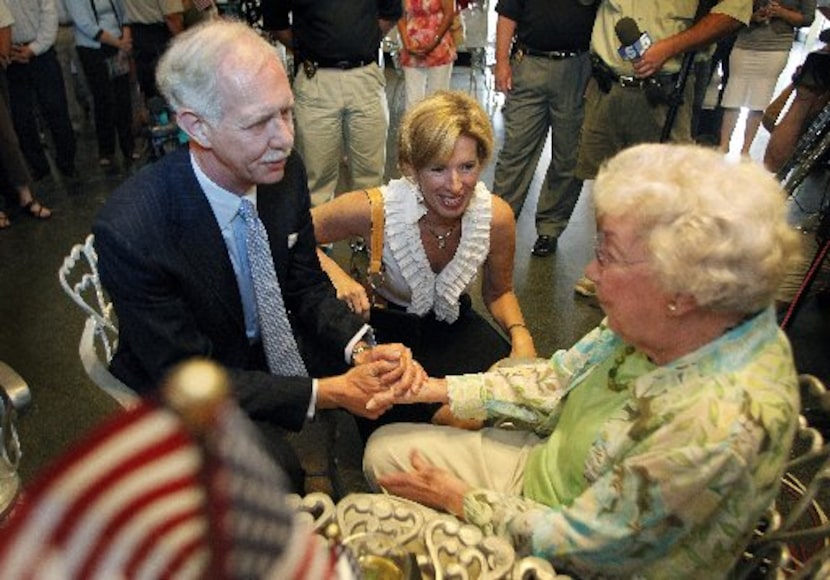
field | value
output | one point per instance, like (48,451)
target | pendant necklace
(612,372)
(440,238)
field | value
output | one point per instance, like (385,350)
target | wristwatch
(359,348)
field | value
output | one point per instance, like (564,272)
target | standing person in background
(13,171)
(340,90)
(104,44)
(757,60)
(153,24)
(68,59)
(35,77)
(542,65)
(427,50)
(627,100)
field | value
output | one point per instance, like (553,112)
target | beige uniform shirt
(150,11)
(6,18)
(659,18)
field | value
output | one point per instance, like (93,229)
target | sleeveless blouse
(409,279)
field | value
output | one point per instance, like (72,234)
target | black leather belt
(606,77)
(629,82)
(551,54)
(342,64)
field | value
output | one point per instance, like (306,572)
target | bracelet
(517,325)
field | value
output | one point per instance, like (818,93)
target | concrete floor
(40,327)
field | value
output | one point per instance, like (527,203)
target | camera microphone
(634,43)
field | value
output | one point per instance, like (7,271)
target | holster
(603,74)
(659,90)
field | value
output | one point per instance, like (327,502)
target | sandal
(37,210)
(4,221)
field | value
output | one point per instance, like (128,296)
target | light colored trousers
(341,112)
(491,458)
(421,82)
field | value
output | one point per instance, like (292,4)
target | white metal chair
(443,546)
(793,538)
(78,276)
(14,397)
(482,55)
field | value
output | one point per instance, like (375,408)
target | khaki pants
(491,458)
(341,112)
(622,118)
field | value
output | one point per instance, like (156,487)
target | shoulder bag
(390,323)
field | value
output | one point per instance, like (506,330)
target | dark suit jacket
(165,265)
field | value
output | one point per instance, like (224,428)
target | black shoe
(544,246)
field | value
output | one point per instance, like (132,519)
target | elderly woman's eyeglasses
(604,259)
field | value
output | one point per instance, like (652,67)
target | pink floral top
(423,19)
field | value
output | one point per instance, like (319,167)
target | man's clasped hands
(387,374)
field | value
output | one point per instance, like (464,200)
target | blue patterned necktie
(277,336)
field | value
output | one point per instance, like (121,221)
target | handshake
(382,377)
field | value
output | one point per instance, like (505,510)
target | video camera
(815,72)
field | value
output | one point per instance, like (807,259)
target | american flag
(143,497)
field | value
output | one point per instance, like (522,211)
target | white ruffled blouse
(409,279)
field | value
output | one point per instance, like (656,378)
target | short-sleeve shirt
(550,25)
(332,29)
(659,18)
(151,11)
(6,18)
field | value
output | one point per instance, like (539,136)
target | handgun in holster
(602,73)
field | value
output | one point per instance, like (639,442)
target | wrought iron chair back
(793,538)
(14,398)
(79,278)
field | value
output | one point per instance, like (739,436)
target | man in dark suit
(170,260)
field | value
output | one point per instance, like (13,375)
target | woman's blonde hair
(429,130)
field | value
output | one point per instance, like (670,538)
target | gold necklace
(441,238)
(614,370)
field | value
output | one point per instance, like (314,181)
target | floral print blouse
(423,19)
(676,481)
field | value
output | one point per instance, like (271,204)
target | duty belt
(310,65)
(551,54)
(658,87)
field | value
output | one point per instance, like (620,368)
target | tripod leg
(804,289)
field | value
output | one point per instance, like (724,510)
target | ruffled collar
(404,206)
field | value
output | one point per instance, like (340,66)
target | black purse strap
(114,11)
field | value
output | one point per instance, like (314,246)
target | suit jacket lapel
(201,241)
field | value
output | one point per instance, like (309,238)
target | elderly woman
(442,226)
(653,445)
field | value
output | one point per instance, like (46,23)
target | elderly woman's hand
(430,391)
(428,485)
